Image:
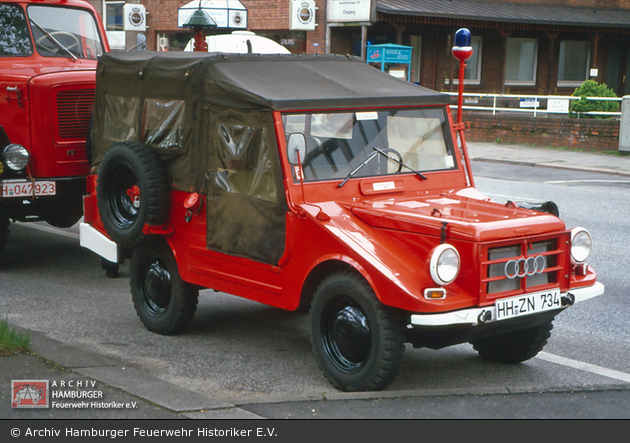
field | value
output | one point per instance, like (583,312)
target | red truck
(48,57)
(318,181)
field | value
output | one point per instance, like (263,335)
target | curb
(114,373)
(599,170)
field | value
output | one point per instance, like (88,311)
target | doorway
(618,75)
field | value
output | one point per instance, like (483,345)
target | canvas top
(254,81)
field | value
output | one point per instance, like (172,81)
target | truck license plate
(528,304)
(28,189)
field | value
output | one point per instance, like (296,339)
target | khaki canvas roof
(252,81)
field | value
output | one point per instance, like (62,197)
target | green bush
(590,88)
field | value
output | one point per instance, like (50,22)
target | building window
(574,62)
(473,64)
(521,61)
(113,18)
(472,74)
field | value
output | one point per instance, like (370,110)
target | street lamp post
(199,21)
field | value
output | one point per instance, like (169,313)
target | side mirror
(296,145)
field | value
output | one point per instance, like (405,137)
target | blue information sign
(389,53)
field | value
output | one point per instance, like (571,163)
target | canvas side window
(120,118)
(245,165)
(164,123)
(246,210)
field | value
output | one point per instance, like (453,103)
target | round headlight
(444,264)
(15,157)
(581,245)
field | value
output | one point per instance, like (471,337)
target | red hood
(467,218)
(26,69)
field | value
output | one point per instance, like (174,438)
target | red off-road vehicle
(317,180)
(48,56)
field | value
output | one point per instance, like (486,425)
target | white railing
(556,104)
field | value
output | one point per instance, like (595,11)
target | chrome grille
(74,110)
(522,266)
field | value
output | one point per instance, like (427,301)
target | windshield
(64,32)
(14,36)
(374,143)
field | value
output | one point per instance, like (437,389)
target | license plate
(528,304)
(28,189)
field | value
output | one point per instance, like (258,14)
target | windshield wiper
(384,154)
(53,39)
(423,177)
(349,176)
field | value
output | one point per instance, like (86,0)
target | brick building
(521,46)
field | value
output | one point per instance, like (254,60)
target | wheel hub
(157,287)
(351,334)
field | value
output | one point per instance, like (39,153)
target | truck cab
(48,57)
(317,181)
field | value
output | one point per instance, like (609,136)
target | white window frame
(574,83)
(416,57)
(477,54)
(516,82)
(116,38)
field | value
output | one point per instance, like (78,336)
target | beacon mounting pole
(462,50)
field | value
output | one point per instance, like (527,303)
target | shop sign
(134,17)
(349,10)
(302,15)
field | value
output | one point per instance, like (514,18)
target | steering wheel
(343,172)
(74,43)
(396,153)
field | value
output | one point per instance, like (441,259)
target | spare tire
(132,191)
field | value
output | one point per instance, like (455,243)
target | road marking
(52,230)
(594,369)
(586,181)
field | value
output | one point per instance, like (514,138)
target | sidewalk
(126,393)
(154,398)
(550,157)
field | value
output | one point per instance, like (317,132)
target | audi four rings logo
(525,266)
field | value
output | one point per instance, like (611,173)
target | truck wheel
(164,302)
(131,191)
(359,342)
(4,228)
(514,347)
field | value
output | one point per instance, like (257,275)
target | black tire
(358,341)
(4,228)
(164,302)
(514,347)
(130,167)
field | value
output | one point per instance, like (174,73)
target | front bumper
(487,314)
